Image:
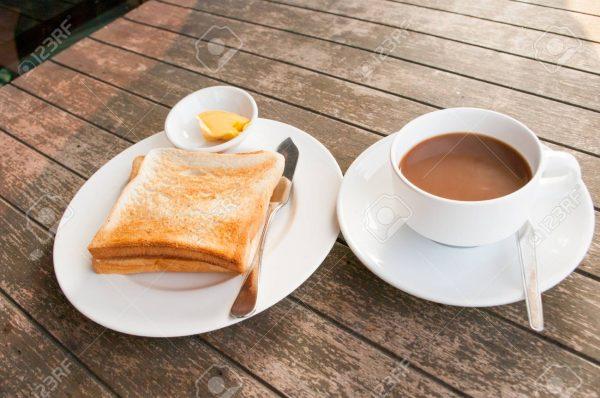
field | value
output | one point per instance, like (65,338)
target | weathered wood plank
(440,89)
(584,6)
(592,262)
(492,35)
(125,115)
(308,356)
(488,65)
(58,134)
(467,348)
(344,141)
(315,359)
(355,104)
(557,309)
(544,19)
(572,330)
(178,83)
(134,366)
(35,366)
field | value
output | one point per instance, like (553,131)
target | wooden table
(348,72)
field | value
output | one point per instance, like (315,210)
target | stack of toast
(188,212)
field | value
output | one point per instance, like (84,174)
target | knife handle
(245,302)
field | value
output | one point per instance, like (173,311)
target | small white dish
(180,304)
(372,217)
(182,127)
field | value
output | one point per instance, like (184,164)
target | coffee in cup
(465,166)
(460,207)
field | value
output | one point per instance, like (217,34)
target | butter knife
(245,302)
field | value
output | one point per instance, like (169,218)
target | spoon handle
(529,268)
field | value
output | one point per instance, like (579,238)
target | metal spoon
(533,298)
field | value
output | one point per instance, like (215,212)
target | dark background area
(32,31)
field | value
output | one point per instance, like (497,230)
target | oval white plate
(371,219)
(170,304)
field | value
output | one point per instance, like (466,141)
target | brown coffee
(465,166)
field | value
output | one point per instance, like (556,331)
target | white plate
(170,304)
(371,219)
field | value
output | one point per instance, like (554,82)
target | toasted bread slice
(189,212)
(136,265)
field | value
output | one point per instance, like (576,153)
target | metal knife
(245,302)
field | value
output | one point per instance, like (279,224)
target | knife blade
(290,152)
(245,302)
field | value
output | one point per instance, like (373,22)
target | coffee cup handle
(559,167)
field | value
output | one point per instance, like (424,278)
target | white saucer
(372,221)
(172,304)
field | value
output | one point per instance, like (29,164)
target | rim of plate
(194,330)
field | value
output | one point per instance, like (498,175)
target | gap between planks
(423,33)
(166,2)
(49,336)
(294,104)
(491,20)
(374,345)
(74,356)
(555,8)
(497,316)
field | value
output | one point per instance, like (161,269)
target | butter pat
(221,125)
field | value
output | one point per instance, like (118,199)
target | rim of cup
(396,162)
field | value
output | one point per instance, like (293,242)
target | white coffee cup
(474,223)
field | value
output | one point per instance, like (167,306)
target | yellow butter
(221,125)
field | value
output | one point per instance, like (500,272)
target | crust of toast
(188,212)
(136,265)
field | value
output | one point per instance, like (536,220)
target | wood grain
(344,332)
(434,87)
(354,300)
(491,66)
(337,100)
(305,355)
(467,348)
(134,366)
(178,82)
(79,145)
(584,6)
(499,37)
(35,366)
(331,352)
(586,27)
(576,294)
(126,115)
